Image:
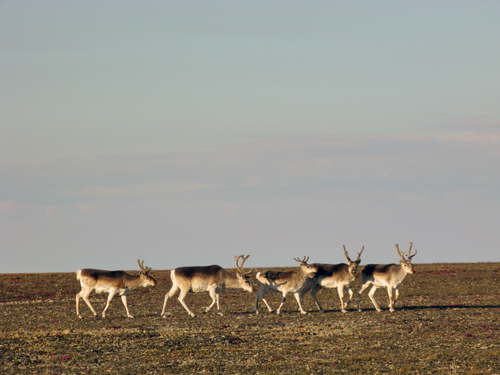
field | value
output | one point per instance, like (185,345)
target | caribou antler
(411,256)
(141,265)
(240,268)
(402,255)
(359,254)
(303,261)
(349,261)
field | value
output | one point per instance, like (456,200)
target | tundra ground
(446,321)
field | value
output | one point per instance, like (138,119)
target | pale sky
(187,132)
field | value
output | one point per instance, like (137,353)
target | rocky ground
(447,322)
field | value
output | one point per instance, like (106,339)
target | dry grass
(446,322)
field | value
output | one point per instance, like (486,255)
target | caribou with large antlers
(111,282)
(331,276)
(388,276)
(211,279)
(284,282)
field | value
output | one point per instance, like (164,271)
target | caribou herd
(309,278)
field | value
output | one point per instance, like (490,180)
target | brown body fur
(212,279)
(284,282)
(112,282)
(388,276)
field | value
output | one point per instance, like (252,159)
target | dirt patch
(446,322)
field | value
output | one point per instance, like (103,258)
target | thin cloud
(8,206)
(270,167)
(274,198)
(468,124)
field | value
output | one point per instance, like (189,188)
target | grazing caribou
(388,276)
(111,282)
(331,276)
(284,282)
(211,279)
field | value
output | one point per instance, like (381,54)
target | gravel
(446,322)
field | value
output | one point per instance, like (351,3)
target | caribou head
(308,269)
(144,275)
(406,262)
(353,266)
(243,276)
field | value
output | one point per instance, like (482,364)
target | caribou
(211,279)
(284,282)
(388,276)
(111,282)
(331,276)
